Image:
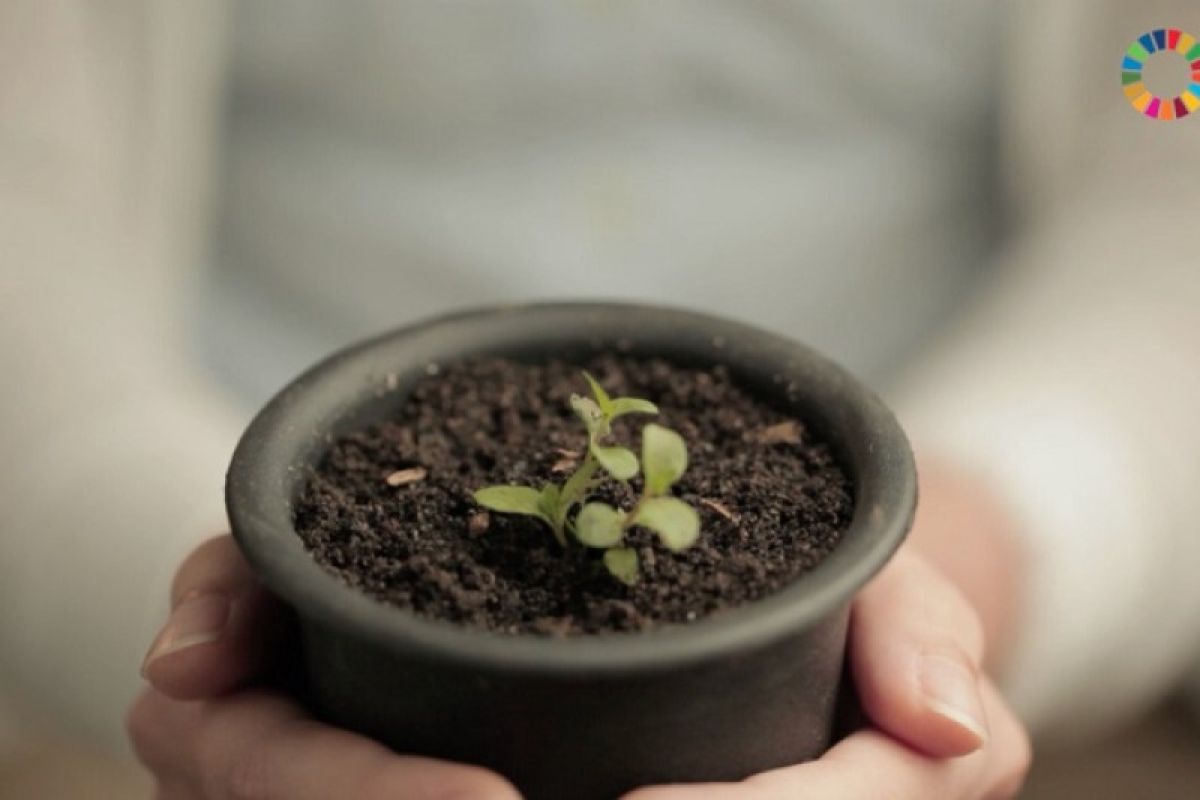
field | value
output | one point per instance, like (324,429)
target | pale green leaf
(603,401)
(676,523)
(620,462)
(548,501)
(575,487)
(631,405)
(622,564)
(511,499)
(599,525)
(664,458)
(593,418)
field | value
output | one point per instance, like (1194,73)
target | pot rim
(268,467)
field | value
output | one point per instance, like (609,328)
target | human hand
(911,634)
(940,728)
(206,734)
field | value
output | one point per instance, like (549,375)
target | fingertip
(217,565)
(950,733)
(938,717)
(956,722)
(212,644)
(927,698)
(197,619)
(915,650)
(202,670)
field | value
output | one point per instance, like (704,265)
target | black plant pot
(589,717)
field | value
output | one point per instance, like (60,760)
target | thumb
(222,625)
(915,650)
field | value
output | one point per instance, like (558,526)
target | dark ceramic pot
(719,699)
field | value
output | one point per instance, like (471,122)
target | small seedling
(596,524)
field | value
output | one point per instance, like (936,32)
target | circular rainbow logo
(1168,40)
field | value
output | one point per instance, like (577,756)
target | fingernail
(950,691)
(198,619)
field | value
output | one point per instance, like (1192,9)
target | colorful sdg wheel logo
(1166,41)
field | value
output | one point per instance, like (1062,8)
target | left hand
(941,729)
(205,733)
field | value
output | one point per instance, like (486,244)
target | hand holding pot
(941,728)
(915,644)
(205,734)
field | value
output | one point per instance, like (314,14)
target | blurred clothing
(771,163)
(823,169)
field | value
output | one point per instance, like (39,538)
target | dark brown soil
(772,501)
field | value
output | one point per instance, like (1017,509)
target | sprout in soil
(599,525)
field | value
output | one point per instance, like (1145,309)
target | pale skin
(919,647)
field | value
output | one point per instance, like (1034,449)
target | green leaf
(676,523)
(548,501)
(599,525)
(523,500)
(511,500)
(593,418)
(664,458)
(603,401)
(620,462)
(631,405)
(622,563)
(575,487)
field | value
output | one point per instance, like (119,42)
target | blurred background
(955,199)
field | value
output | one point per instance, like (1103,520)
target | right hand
(206,733)
(939,728)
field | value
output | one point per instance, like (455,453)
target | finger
(221,627)
(1013,751)
(870,765)
(155,725)
(262,746)
(175,790)
(216,566)
(915,650)
(866,765)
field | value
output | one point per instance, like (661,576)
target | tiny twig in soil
(402,477)
(720,509)
(781,433)
(564,465)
